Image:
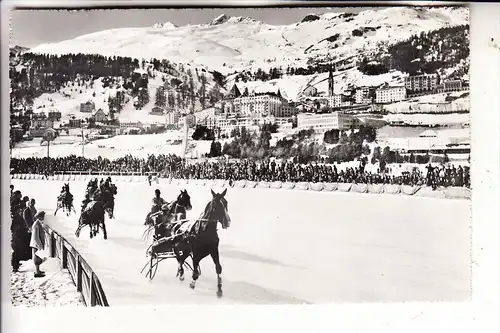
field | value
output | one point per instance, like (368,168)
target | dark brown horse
(178,208)
(201,239)
(93,216)
(65,201)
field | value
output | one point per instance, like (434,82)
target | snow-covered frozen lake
(284,246)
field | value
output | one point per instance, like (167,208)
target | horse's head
(184,200)
(109,210)
(216,209)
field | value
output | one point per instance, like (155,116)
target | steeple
(330,82)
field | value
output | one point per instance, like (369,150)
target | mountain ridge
(235,43)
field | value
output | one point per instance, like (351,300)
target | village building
(157,111)
(55,115)
(324,121)
(287,110)
(390,94)
(364,95)
(453,85)
(99,116)
(39,122)
(87,107)
(204,114)
(422,83)
(130,124)
(259,105)
(171,118)
(75,123)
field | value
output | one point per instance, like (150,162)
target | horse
(106,196)
(93,216)
(65,201)
(92,186)
(201,239)
(179,207)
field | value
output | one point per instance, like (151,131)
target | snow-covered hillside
(68,99)
(230,44)
(292,86)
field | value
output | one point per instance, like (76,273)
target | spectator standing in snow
(29,215)
(37,243)
(19,232)
(31,205)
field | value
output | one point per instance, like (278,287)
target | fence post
(79,273)
(92,290)
(52,244)
(64,259)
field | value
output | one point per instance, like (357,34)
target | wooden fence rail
(83,275)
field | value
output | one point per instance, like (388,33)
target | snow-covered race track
(283,246)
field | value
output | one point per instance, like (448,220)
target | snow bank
(426,191)
(55,289)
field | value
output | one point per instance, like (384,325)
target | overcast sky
(33,27)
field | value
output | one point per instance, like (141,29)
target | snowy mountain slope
(229,44)
(36,84)
(291,87)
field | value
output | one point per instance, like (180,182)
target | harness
(65,198)
(89,206)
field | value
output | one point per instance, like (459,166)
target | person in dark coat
(20,234)
(15,200)
(31,205)
(28,217)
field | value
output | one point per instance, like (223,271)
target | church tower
(330,83)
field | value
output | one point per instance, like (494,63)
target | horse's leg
(198,255)
(57,208)
(77,232)
(218,268)
(196,263)
(105,234)
(91,226)
(181,259)
(199,269)
(180,262)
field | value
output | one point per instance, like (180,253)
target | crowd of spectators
(26,231)
(174,166)
(315,173)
